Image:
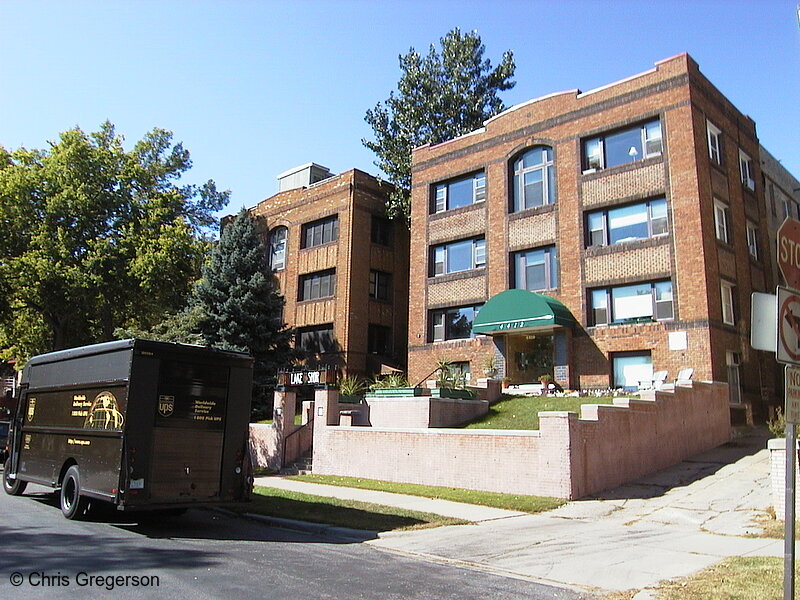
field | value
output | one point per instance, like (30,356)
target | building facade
(596,238)
(341,266)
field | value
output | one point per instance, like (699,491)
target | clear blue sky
(254,88)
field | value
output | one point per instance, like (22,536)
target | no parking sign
(788,326)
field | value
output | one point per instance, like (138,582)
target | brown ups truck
(143,425)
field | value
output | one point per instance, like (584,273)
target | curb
(341,533)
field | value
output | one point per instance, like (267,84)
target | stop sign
(789,252)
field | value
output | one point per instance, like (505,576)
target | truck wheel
(73,505)
(15,486)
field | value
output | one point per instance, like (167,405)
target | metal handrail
(298,430)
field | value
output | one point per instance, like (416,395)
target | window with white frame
(459,192)
(277,248)
(727,292)
(625,223)
(714,142)
(451,323)
(623,146)
(458,256)
(752,239)
(534,179)
(746,170)
(639,302)
(630,368)
(535,270)
(721,219)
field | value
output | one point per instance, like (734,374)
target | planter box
(347,399)
(408,392)
(451,393)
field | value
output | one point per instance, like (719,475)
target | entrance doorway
(528,357)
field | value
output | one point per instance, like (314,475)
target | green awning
(520,309)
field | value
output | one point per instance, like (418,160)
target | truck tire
(13,487)
(73,505)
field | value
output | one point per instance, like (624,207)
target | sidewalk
(668,525)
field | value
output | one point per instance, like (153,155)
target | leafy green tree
(439,97)
(94,237)
(241,307)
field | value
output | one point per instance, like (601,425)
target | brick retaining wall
(569,457)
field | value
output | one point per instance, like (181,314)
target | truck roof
(117,345)
(109,361)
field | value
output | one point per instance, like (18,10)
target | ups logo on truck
(166,405)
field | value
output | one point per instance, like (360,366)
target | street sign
(789,252)
(763,321)
(788,327)
(792,384)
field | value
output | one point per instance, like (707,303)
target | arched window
(534,179)
(277,248)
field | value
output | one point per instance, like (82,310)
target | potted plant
(351,389)
(545,380)
(395,384)
(450,382)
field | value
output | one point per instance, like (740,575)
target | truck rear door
(189,432)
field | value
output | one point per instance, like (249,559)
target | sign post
(788,352)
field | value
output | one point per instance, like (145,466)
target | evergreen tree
(241,307)
(439,97)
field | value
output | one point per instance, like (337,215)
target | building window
(625,223)
(459,192)
(459,256)
(277,248)
(316,340)
(452,323)
(632,303)
(746,171)
(318,285)
(714,142)
(534,179)
(379,340)
(728,314)
(752,239)
(380,285)
(462,370)
(623,146)
(630,368)
(721,221)
(381,231)
(320,232)
(535,270)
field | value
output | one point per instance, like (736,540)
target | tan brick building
(637,209)
(341,265)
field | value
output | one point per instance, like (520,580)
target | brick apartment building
(597,237)
(341,266)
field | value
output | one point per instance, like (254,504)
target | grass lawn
(531,504)
(341,513)
(735,578)
(298,420)
(522,412)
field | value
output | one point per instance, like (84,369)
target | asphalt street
(209,554)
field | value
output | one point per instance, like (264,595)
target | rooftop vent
(302,176)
